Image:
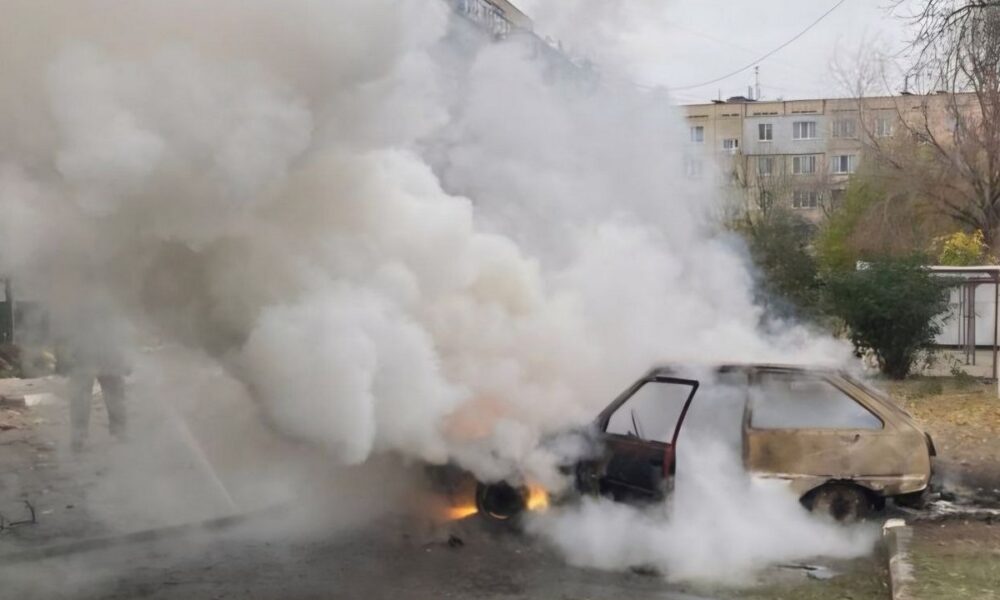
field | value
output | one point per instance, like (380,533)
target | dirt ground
(963,417)
(959,558)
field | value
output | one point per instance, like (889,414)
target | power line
(729,43)
(753,63)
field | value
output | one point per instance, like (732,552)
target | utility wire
(730,44)
(755,62)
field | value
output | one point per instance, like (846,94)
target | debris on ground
(645,570)
(819,572)
(11,419)
(13,401)
(943,509)
(31,518)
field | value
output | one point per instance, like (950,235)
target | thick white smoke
(719,524)
(395,239)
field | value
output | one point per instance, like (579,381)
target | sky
(682,43)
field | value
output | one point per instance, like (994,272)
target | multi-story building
(501,20)
(499,17)
(801,152)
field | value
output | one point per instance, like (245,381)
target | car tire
(843,502)
(915,500)
(500,502)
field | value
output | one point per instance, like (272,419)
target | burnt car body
(841,446)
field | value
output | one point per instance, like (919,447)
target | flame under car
(841,446)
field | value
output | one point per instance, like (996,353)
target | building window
(692,167)
(731,144)
(883,127)
(765,165)
(803,165)
(698,134)
(842,163)
(764,132)
(844,128)
(805,199)
(804,130)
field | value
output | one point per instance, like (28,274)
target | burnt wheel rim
(500,501)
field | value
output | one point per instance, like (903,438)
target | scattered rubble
(944,509)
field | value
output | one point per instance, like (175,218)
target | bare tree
(761,194)
(777,237)
(947,147)
(939,24)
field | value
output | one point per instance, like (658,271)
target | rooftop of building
(740,100)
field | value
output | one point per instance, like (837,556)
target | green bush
(889,309)
(835,249)
(788,283)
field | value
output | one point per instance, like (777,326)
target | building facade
(499,17)
(801,153)
(500,20)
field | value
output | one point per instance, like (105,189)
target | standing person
(92,352)
(81,393)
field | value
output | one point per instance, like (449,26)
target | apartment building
(800,153)
(499,17)
(501,20)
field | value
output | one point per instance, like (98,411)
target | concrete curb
(897,536)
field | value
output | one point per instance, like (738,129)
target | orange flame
(538,499)
(460,512)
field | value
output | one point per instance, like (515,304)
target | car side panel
(890,461)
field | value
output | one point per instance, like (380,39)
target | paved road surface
(387,559)
(116,489)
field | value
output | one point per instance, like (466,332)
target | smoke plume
(390,235)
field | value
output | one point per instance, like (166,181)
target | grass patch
(861,579)
(927,386)
(972,409)
(959,562)
(924,386)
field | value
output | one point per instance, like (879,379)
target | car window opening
(788,401)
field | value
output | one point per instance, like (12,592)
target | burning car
(842,446)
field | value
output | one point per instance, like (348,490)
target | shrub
(779,247)
(962,249)
(889,308)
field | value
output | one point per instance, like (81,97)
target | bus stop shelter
(967,281)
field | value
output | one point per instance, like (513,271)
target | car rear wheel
(842,502)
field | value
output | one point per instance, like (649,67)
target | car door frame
(667,451)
